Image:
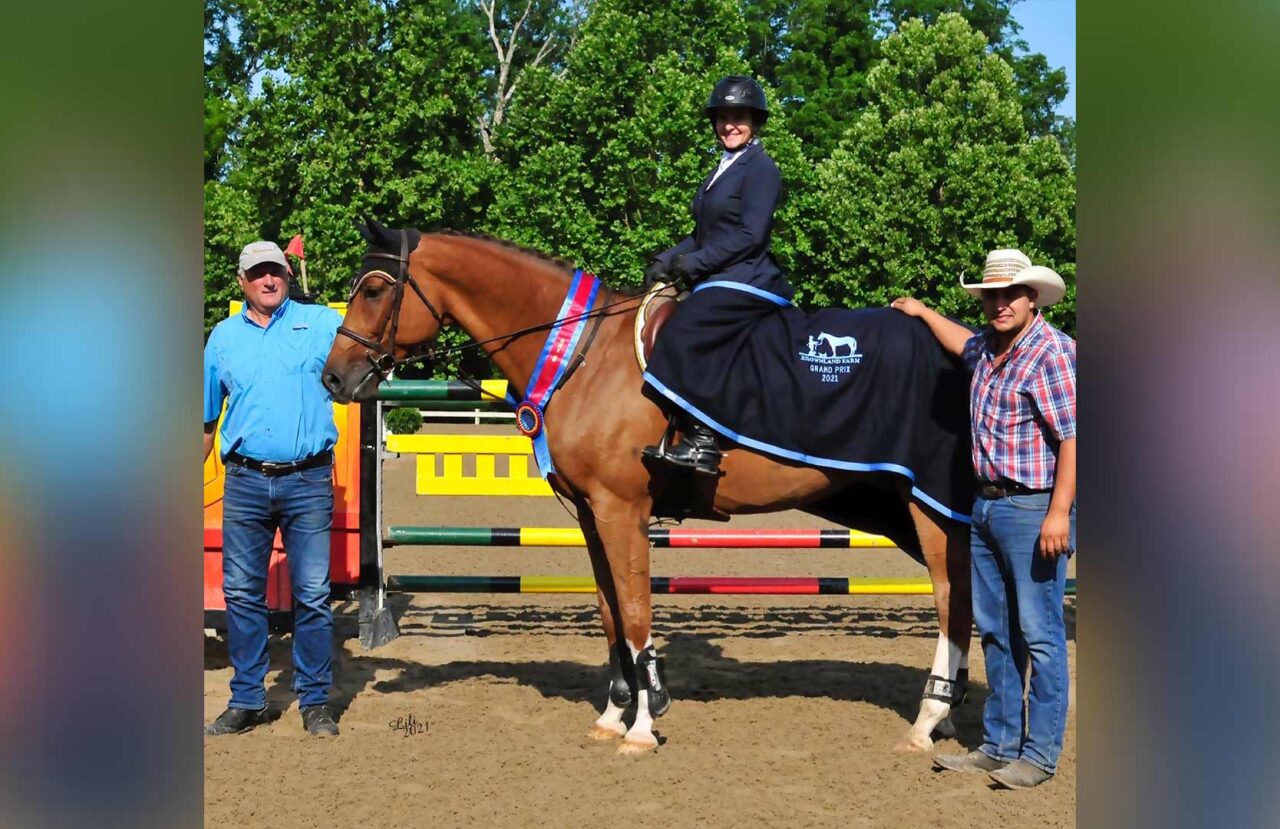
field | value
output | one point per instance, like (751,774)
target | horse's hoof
(604,732)
(946,728)
(914,743)
(638,745)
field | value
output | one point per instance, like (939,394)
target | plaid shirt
(1020,412)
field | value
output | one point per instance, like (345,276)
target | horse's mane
(486,237)
(537,254)
(388,240)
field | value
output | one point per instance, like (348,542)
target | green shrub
(403,421)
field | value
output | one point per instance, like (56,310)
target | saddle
(655,309)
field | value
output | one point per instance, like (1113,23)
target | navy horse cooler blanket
(866,390)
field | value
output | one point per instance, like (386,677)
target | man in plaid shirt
(1022,408)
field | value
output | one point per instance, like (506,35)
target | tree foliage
(934,172)
(817,53)
(364,108)
(602,160)
(910,140)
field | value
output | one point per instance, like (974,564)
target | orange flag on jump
(295,247)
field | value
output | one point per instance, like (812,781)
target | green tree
(1065,131)
(1040,87)
(603,157)
(938,169)
(228,70)
(369,108)
(591,142)
(829,46)
(817,53)
(364,108)
(523,37)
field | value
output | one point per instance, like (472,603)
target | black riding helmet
(738,91)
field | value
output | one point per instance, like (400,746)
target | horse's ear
(370,231)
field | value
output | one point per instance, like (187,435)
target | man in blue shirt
(277,441)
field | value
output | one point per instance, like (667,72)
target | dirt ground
(785,708)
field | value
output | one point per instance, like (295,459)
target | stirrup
(698,451)
(704,462)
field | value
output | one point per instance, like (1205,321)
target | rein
(382,360)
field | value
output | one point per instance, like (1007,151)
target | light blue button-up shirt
(277,409)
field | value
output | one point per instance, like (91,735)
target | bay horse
(410,284)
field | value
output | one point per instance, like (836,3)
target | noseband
(381,358)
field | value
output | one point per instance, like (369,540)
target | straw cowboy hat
(1012,267)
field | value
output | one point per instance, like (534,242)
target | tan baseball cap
(256,253)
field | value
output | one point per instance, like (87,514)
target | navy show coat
(732,223)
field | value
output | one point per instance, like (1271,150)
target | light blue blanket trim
(742,286)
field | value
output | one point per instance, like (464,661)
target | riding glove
(656,272)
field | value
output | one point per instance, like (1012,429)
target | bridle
(382,358)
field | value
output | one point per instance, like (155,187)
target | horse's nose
(333,383)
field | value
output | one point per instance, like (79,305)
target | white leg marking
(932,712)
(947,660)
(610,723)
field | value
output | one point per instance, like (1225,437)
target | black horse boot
(698,451)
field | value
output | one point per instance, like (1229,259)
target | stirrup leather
(659,452)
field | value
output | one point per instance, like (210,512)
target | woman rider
(727,260)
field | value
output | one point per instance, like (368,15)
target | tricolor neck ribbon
(553,362)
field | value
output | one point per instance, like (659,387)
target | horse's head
(391,315)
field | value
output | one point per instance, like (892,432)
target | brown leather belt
(994,490)
(275,470)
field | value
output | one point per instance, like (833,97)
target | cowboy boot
(698,451)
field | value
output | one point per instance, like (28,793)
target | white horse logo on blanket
(835,343)
(827,362)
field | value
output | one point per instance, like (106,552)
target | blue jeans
(253,506)
(1017,607)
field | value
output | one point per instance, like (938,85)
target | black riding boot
(698,451)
